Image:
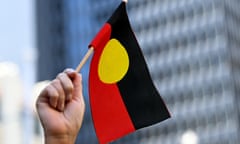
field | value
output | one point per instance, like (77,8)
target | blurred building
(10,104)
(192,50)
(63,33)
(50,38)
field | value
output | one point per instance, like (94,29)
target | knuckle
(60,75)
(55,81)
(52,93)
(54,96)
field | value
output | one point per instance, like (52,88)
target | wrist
(62,139)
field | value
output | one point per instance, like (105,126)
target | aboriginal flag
(123,97)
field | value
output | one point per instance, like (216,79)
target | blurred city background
(192,48)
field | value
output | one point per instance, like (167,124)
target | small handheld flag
(123,97)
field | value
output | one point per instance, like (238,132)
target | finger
(67,85)
(61,95)
(77,82)
(51,95)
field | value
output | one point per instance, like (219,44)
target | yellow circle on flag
(114,62)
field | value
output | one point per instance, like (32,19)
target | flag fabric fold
(123,97)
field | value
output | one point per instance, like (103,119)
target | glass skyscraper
(192,48)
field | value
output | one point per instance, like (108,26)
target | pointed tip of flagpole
(125,1)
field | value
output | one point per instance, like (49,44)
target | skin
(61,108)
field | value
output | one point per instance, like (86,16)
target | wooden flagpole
(85,58)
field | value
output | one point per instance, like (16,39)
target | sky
(16,30)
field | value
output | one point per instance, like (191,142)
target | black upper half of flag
(143,101)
